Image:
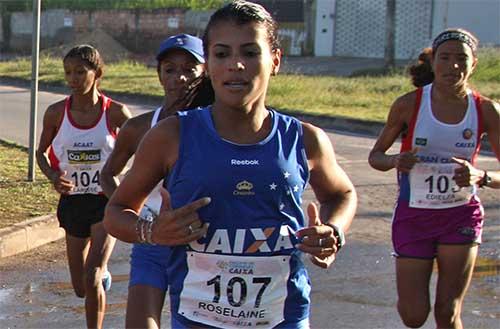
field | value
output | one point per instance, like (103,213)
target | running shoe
(106,281)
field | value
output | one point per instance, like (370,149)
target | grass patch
(20,199)
(123,77)
(366,96)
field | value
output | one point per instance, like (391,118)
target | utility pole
(35,52)
(390,34)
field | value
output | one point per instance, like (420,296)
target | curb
(29,234)
(340,124)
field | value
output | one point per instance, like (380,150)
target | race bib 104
(83,169)
(432,186)
(235,291)
(85,178)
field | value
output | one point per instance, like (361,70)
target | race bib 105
(433,187)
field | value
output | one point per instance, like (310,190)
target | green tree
(131,4)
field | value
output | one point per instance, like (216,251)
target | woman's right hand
(179,226)
(61,184)
(405,161)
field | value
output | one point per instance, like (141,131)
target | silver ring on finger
(321,242)
(191,229)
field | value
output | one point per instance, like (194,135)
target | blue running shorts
(148,266)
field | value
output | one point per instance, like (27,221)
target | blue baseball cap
(189,43)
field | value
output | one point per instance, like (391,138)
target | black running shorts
(77,213)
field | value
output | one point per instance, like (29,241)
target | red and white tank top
(430,183)
(81,151)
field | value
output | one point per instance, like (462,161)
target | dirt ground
(110,49)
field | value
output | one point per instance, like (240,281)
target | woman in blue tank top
(182,76)
(235,173)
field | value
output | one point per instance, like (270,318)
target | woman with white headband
(438,214)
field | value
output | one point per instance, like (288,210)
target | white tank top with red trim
(82,151)
(430,181)
(153,203)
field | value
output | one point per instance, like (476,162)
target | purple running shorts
(416,233)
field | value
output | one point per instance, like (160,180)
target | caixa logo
(87,156)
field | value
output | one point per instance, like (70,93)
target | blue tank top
(246,270)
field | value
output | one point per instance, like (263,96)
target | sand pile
(110,49)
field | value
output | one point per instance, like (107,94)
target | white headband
(454,35)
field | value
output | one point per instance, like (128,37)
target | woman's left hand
(174,227)
(466,174)
(318,240)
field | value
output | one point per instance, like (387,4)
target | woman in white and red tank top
(78,136)
(438,214)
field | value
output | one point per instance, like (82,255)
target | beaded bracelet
(144,229)
(139,229)
(149,233)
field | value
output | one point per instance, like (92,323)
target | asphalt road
(15,105)
(357,292)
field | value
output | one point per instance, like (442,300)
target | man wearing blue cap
(182,75)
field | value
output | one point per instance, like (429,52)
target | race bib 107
(235,291)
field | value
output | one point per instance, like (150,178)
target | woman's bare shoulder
(118,113)
(141,122)
(491,113)
(489,106)
(162,141)
(164,135)
(406,102)
(55,111)
(403,107)
(133,130)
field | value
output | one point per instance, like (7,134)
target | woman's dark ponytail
(421,72)
(200,93)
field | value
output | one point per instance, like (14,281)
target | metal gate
(360,27)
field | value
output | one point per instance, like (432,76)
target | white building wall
(50,22)
(324,29)
(481,17)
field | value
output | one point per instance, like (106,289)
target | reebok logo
(235,162)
